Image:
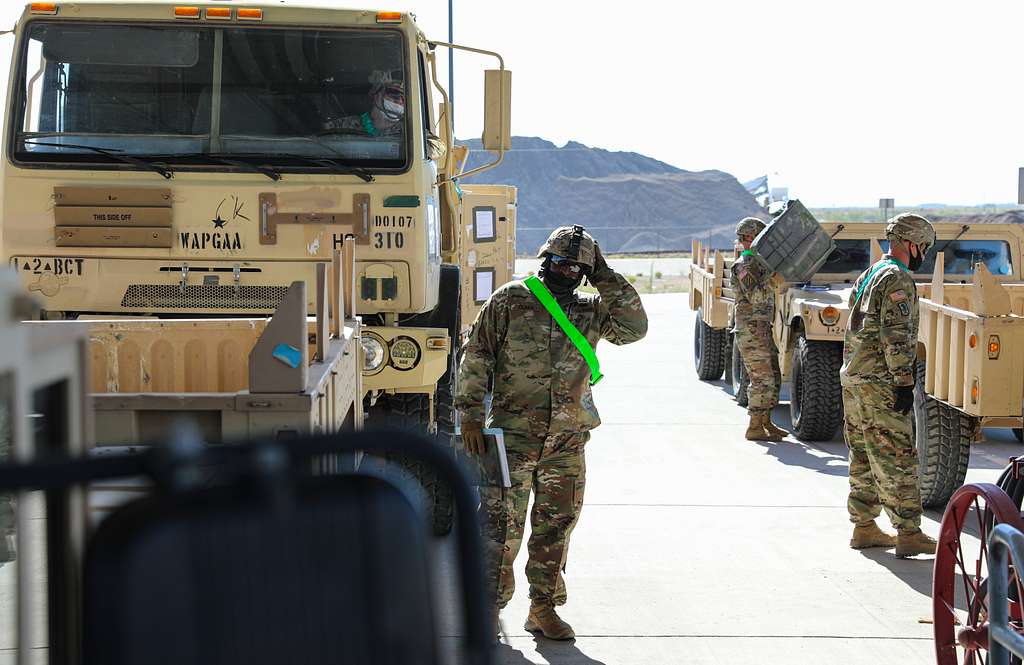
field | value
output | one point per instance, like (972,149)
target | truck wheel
(816,397)
(709,345)
(738,374)
(943,435)
(411,413)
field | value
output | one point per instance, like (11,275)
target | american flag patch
(898,296)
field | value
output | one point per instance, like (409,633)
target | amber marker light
(437,343)
(993,347)
(219,13)
(43,8)
(250,14)
(186,12)
(829,316)
(389,17)
(973,341)
(974,392)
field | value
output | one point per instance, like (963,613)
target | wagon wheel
(960,584)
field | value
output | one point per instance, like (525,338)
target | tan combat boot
(755,430)
(545,621)
(777,433)
(918,542)
(869,535)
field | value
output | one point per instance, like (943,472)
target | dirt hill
(631,203)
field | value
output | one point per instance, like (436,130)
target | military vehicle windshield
(961,255)
(851,256)
(179,93)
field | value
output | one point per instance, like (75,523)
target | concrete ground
(697,546)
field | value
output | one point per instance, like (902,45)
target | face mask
(393,111)
(557,283)
(915,262)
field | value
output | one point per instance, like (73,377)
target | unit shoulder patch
(904,309)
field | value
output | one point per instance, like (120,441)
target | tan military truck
(811,321)
(188,161)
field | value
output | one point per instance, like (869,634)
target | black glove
(904,401)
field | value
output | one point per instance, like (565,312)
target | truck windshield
(276,95)
(849,256)
(961,255)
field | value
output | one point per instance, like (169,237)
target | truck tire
(738,374)
(816,396)
(709,346)
(943,436)
(411,413)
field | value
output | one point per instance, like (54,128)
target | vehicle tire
(816,396)
(738,374)
(709,346)
(411,413)
(943,436)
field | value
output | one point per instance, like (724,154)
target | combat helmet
(915,228)
(572,242)
(749,226)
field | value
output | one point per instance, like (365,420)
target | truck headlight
(829,316)
(374,353)
(405,353)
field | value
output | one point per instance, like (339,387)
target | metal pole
(451,70)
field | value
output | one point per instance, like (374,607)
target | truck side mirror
(497,135)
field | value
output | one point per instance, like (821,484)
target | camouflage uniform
(878,355)
(362,125)
(542,400)
(754,312)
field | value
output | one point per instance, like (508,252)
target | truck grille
(203,296)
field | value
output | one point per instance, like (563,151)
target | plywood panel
(162,379)
(942,358)
(232,367)
(957,344)
(128,375)
(196,367)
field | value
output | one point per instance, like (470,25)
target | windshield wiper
(113,153)
(228,159)
(335,165)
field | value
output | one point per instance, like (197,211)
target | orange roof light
(250,14)
(43,7)
(219,13)
(973,340)
(389,17)
(186,12)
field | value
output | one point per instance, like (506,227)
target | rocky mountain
(631,203)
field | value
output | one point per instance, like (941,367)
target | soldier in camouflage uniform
(542,400)
(753,313)
(878,392)
(387,110)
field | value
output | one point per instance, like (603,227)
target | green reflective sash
(888,261)
(541,293)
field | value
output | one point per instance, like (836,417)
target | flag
(757,186)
